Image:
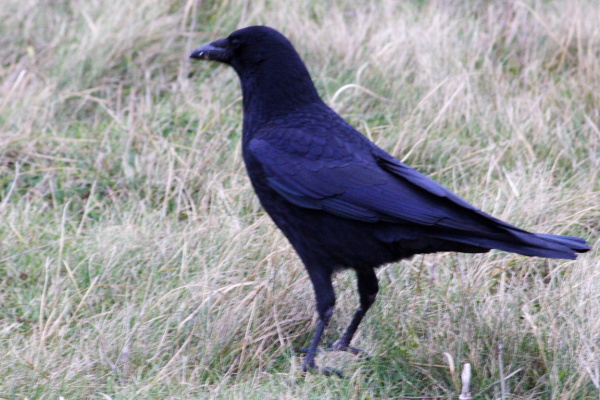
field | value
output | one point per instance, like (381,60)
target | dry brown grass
(135,261)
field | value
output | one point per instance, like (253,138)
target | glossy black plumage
(340,200)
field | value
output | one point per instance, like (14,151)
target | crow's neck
(275,91)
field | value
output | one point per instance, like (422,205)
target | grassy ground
(135,261)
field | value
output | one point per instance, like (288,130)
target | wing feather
(366,188)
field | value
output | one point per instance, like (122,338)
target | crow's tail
(562,246)
(526,243)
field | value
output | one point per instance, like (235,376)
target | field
(136,261)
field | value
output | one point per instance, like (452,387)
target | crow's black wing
(359,182)
(348,176)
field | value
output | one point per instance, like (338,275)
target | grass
(136,262)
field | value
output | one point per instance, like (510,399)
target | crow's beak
(215,51)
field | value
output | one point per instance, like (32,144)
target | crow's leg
(325,296)
(367,291)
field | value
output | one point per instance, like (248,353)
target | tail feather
(526,243)
(576,244)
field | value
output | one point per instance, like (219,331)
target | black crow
(341,201)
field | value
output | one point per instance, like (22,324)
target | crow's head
(274,78)
(249,48)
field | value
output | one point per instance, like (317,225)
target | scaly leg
(325,296)
(367,291)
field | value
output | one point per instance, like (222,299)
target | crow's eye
(234,43)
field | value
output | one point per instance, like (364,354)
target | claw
(335,347)
(331,347)
(349,349)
